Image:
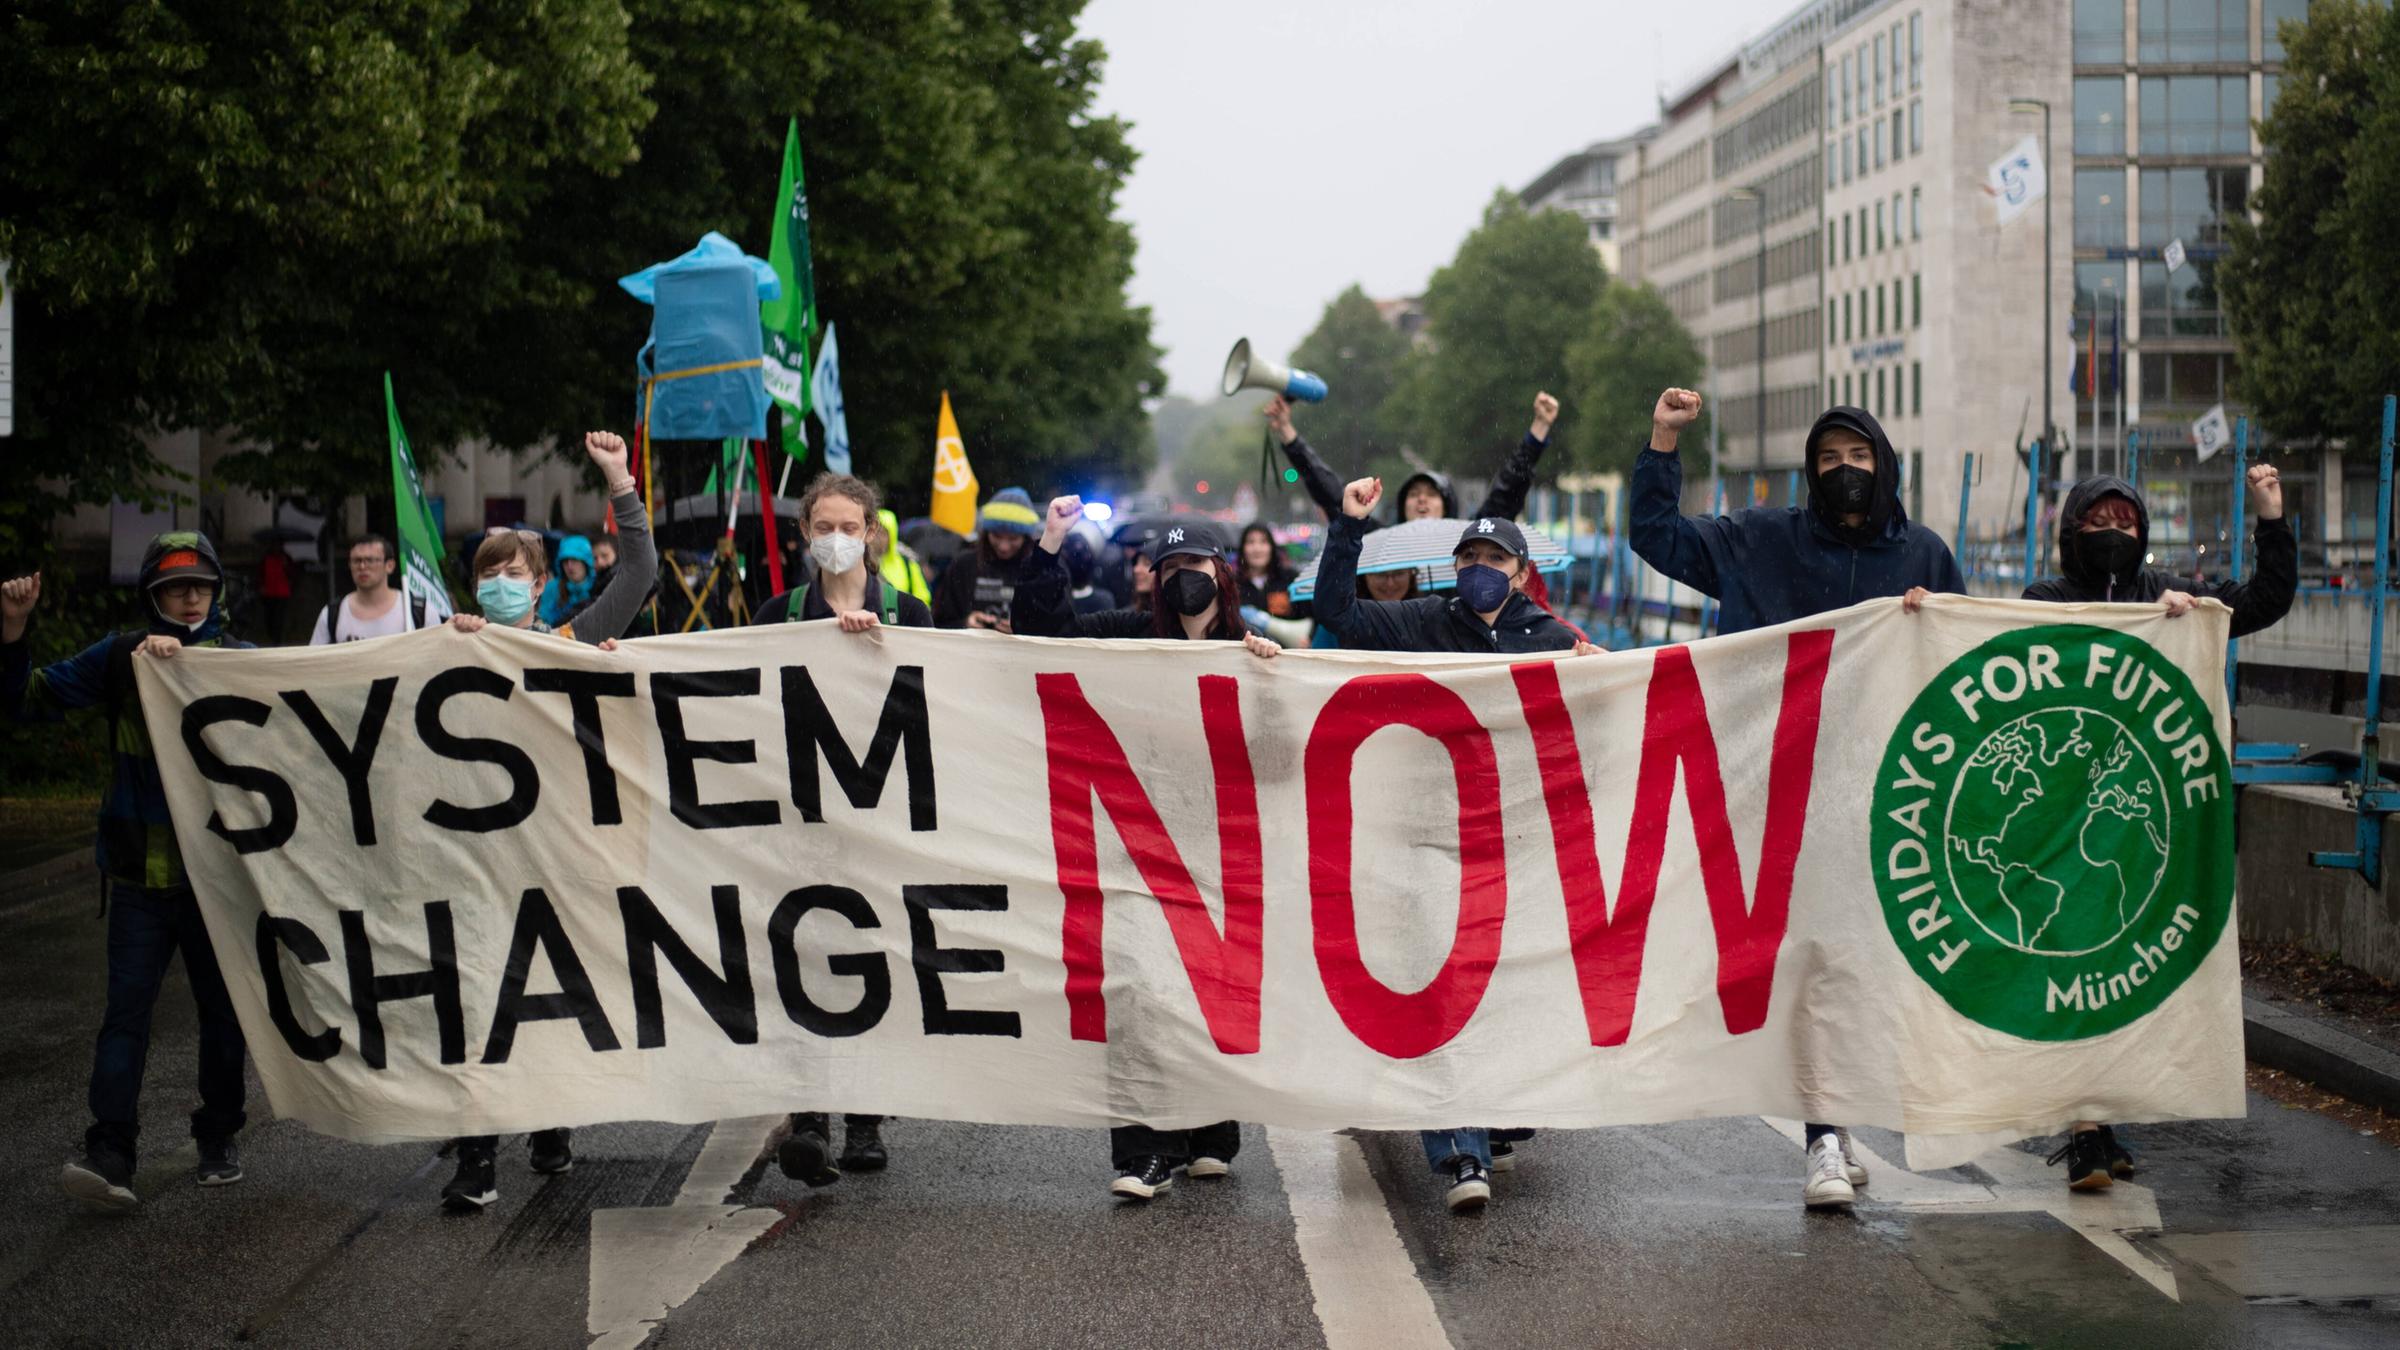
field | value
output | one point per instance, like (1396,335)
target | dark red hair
(1166,623)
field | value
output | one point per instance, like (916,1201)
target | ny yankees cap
(1192,537)
(1502,532)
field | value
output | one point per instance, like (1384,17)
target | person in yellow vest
(902,570)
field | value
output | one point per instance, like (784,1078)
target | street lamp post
(2049,371)
(1754,195)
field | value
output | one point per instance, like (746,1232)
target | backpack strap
(891,603)
(795,602)
(798,600)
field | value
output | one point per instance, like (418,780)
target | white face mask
(837,552)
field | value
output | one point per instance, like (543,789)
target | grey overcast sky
(1290,149)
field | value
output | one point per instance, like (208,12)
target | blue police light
(1099,513)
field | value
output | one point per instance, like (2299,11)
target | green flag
(420,539)
(790,320)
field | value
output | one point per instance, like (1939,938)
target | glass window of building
(2275,13)
(1846,328)
(2099,208)
(1880,408)
(1916,213)
(1877,61)
(2184,303)
(2100,115)
(1916,300)
(2195,30)
(1916,388)
(2099,32)
(1916,126)
(1860,74)
(1862,152)
(1898,144)
(1878,142)
(2191,204)
(1896,55)
(1879,328)
(2195,115)
(1916,51)
(1848,404)
(2268,87)
(1845,83)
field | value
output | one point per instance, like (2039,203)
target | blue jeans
(1443,1145)
(146,928)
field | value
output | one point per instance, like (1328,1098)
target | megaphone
(1244,371)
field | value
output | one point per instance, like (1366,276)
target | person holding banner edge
(2103,546)
(840,514)
(1196,600)
(152,913)
(1769,565)
(510,576)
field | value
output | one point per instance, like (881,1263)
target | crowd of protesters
(1033,573)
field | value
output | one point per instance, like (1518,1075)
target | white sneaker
(1853,1171)
(1207,1169)
(1828,1187)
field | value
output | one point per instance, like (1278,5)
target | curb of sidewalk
(2281,1037)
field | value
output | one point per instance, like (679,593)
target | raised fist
(1360,497)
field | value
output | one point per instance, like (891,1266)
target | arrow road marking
(647,1261)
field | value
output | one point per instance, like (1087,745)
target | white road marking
(646,1261)
(1366,1288)
(2023,1184)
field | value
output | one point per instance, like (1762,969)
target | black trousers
(1221,1140)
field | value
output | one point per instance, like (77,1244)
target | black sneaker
(1470,1185)
(2087,1161)
(2120,1162)
(550,1151)
(807,1155)
(862,1148)
(102,1179)
(1504,1156)
(474,1186)
(1142,1178)
(220,1163)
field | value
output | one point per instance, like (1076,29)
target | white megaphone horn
(1245,371)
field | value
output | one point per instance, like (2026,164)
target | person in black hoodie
(2103,540)
(1769,565)
(1425,495)
(1196,600)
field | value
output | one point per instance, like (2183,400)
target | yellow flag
(954,485)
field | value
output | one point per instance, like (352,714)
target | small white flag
(2018,179)
(826,385)
(2212,432)
(2174,254)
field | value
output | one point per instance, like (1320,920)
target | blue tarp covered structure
(700,373)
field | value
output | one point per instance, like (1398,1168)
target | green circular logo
(2052,832)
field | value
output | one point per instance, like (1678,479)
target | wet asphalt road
(2279,1230)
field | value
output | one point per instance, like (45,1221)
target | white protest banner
(1957,872)
(2017,179)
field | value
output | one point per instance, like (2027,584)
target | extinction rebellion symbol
(2053,832)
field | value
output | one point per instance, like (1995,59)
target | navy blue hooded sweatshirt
(1772,564)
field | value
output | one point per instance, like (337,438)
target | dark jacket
(909,611)
(976,582)
(137,834)
(1505,501)
(1428,624)
(1045,608)
(1769,565)
(2257,603)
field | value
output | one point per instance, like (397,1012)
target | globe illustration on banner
(2057,832)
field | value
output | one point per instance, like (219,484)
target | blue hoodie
(563,599)
(1772,564)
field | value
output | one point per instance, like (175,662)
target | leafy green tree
(1632,347)
(1501,316)
(2312,289)
(237,218)
(1361,357)
(210,209)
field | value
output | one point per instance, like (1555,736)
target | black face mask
(2111,556)
(1848,489)
(1191,591)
